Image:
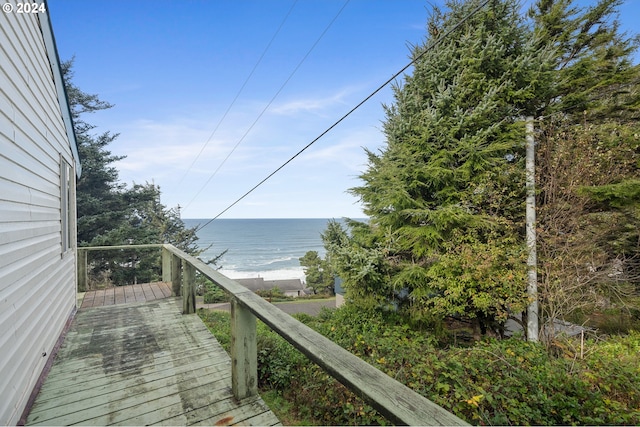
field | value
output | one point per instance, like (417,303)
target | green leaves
(318,272)
(491,382)
(446,193)
(618,195)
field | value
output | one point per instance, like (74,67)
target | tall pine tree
(446,195)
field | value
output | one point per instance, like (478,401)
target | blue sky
(173,68)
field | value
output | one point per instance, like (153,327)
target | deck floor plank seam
(139,294)
(95,377)
(110,296)
(155,289)
(198,399)
(231,415)
(166,289)
(146,291)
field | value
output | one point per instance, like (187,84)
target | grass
(284,409)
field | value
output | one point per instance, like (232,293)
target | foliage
(450,180)
(98,200)
(588,217)
(594,77)
(587,157)
(278,361)
(219,323)
(318,273)
(610,321)
(274,294)
(212,293)
(445,196)
(504,382)
(481,277)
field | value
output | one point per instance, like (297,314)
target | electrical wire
(371,95)
(224,116)
(264,110)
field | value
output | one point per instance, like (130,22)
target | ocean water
(268,248)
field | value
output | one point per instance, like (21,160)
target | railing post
(82,270)
(176,275)
(189,289)
(166,265)
(244,352)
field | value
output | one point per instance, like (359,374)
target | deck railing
(398,403)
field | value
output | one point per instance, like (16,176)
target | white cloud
(313,185)
(310,104)
(168,147)
(348,149)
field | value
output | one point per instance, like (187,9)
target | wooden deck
(142,363)
(126,294)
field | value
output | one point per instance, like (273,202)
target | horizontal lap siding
(37,281)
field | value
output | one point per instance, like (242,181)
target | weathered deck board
(142,364)
(127,294)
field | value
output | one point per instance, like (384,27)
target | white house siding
(37,278)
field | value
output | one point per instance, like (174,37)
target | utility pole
(532,287)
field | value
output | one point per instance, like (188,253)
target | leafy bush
(492,382)
(278,361)
(214,294)
(274,295)
(219,323)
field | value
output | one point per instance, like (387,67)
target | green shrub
(495,382)
(278,361)
(219,323)
(212,293)
(492,382)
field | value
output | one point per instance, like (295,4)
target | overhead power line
(224,116)
(371,95)
(264,110)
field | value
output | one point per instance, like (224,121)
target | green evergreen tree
(594,77)
(318,274)
(446,195)
(98,191)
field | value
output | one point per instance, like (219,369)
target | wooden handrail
(398,403)
(106,248)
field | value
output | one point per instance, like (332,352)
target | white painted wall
(37,277)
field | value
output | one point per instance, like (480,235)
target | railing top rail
(394,400)
(105,248)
